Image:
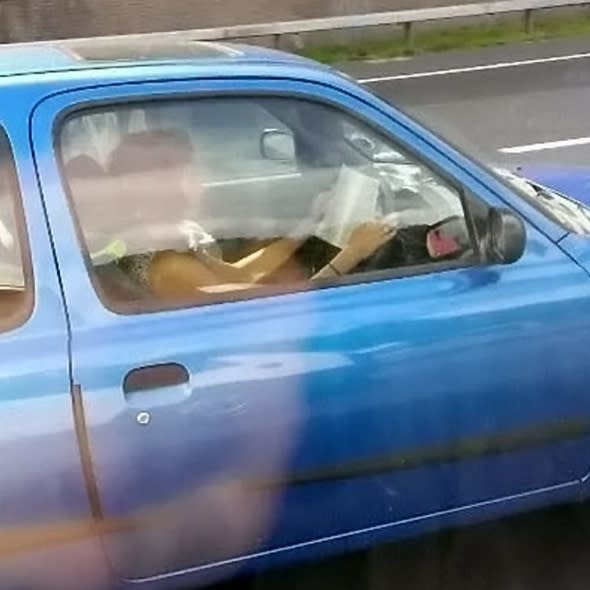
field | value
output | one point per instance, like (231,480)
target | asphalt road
(499,98)
(524,98)
(547,550)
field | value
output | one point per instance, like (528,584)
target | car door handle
(154,377)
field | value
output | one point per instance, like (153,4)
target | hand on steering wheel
(368,238)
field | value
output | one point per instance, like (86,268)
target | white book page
(353,202)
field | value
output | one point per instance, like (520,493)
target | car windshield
(564,210)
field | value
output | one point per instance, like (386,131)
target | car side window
(213,198)
(15,288)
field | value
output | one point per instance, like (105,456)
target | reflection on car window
(572,215)
(11,268)
(14,292)
(371,145)
(569,213)
(203,198)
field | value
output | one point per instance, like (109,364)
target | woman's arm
(253,268)
(342,264)
(176,275)
(272,257)
(179,275)
(364,241)
(269,259)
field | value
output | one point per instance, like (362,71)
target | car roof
(131,52)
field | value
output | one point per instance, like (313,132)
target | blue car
(252,314)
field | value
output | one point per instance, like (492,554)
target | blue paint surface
(286,385)
(573,181)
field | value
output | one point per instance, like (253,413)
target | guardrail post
(528,21)
(409,35)
(297,41)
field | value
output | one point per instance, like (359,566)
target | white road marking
(548,145)
(481,68)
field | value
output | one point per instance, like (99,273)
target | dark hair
(150,150)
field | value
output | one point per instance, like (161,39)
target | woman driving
(157,186)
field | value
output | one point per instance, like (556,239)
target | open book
(355,202)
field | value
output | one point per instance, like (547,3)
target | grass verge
(453,37)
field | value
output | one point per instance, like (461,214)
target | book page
(353,202)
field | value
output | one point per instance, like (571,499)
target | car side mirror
(506,237)
(277,145)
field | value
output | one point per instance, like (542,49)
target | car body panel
(279,384)
(314,422)
(573,181)
(44,504)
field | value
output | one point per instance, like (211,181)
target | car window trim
(204,300)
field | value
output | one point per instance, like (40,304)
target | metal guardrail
(405,18)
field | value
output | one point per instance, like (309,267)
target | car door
(260,424)
(45,518)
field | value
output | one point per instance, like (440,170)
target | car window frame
(21,315)
(150,306)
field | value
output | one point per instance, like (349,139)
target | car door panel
(45,517)
(319,414)
(297,419)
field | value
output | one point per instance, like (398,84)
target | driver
(155,171)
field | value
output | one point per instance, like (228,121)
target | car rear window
(15,283)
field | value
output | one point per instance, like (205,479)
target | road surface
(512,104)
(517,104)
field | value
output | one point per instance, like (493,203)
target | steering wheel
(409,246)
